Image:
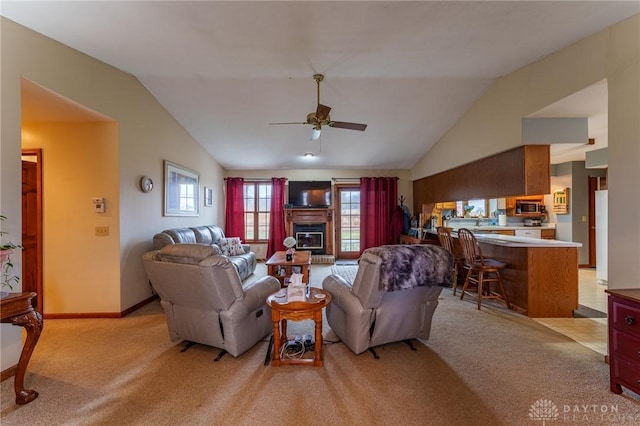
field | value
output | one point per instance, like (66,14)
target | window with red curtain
(277,227)
(234,208)
(378,201)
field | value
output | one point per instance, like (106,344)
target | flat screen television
(310,193)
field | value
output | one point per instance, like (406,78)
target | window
(349,224)
(472,208)
(257,206)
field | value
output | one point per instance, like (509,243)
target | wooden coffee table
(283,310)
(278,262)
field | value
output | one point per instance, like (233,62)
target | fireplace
(310,236)
(318,223)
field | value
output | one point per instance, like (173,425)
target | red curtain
(378,197)
(277,229)
(234,208)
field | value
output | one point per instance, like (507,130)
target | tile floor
(590,332)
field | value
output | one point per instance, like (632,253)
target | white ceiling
(409,70)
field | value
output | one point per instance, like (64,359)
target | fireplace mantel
(312,215)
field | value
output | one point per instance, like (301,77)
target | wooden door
(32,224)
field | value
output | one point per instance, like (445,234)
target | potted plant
(8,279)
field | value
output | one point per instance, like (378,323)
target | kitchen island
(541,276)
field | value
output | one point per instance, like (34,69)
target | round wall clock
(146,184)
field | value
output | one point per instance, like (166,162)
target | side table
(283,310)
(279,267)
(17,309)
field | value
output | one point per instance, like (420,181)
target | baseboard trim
(101,314)
(9,372)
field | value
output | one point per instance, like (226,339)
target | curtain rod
(345,178)
(252,179)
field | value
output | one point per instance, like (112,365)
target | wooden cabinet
(523,170)
(624,340)
(449,205)
(548,234)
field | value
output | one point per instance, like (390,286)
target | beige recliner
(204,300)
(393,296)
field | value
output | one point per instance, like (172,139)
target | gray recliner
(204,299)
(366,314)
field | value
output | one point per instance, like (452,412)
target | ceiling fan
(321,117)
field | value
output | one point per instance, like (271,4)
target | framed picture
(181,188)
(208,197)
(296,269)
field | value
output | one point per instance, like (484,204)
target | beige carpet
(486,367)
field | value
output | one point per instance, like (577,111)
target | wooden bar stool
(446,241)
(481,272)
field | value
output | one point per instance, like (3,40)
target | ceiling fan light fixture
(315,133)
(308,155)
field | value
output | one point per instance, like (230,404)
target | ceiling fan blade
(322,112)
(345,125)
(297,122)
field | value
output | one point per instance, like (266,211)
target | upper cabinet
(524,170)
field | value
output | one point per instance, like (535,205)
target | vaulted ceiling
(409,70)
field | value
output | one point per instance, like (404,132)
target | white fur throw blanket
(408,266)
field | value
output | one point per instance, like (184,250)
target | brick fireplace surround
(312,216)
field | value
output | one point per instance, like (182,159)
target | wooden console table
(18,310)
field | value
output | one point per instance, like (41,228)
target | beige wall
(81,271)
(493,124)
(146,135)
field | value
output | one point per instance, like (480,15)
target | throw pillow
(231,246)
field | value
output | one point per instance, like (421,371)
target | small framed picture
(208,196)
(282,271)
(296,269)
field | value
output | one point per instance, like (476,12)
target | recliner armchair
(204,299)
(369,313)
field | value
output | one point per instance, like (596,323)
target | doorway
(348,222)
(32,224)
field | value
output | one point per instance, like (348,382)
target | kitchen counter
(541,276)
(504,228)
(512,241)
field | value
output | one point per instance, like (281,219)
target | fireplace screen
(309,240)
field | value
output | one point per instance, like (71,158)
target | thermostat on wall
(98,204)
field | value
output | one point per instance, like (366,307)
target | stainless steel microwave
(529,207)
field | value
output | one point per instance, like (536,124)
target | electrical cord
(292,349)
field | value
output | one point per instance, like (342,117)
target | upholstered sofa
(392,298)
(245,263)
(204,300)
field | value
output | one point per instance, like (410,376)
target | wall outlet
(102,231)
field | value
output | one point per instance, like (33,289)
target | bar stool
(446,241)
(481,272)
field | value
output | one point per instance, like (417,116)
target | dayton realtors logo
(545,410)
